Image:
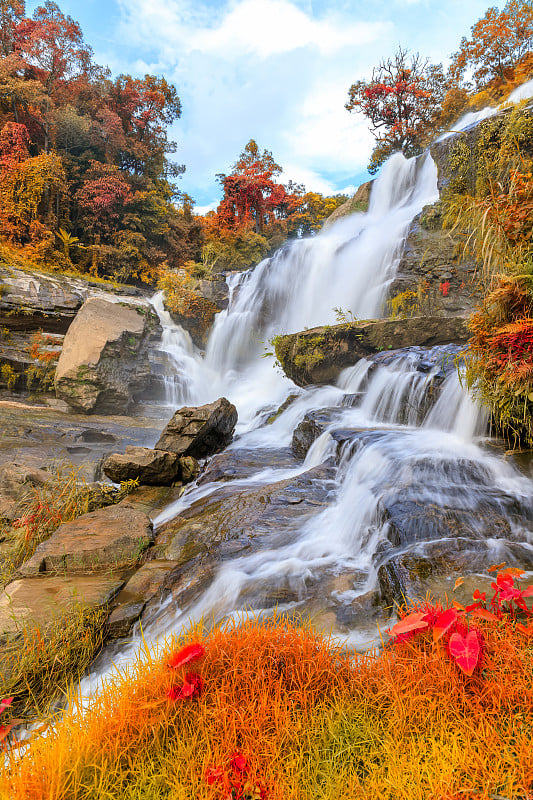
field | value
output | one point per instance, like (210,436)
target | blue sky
(277,71)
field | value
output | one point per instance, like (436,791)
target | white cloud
(260,27)
(268,27)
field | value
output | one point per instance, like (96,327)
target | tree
(11,14)
(250,193)
(500,41)
(402,102)
(145,107)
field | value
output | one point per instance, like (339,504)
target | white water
(385,457)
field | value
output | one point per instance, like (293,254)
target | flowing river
(400,483)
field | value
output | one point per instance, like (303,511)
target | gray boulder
(200,431)
(104,360)
(150,467)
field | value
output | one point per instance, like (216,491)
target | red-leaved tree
(402,102)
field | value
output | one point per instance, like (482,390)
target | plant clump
(265,709)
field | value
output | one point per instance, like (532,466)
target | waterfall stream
(398,435)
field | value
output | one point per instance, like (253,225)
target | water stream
(399,468)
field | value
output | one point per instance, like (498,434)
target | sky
(277,71)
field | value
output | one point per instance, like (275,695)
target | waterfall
(397,433)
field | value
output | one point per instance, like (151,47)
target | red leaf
(465,650)
(5,703)
(444,623)
(187,654)
(411,622)
(526,593)
(496,567)
(191,687)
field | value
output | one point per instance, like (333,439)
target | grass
(302,717)
(37,667)
(43,509)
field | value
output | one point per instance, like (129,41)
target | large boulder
(200,431)
(104,360)
(38,602)
(150,467)
(318,355)
(111,537)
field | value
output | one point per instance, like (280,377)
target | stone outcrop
(33,301)
(110,537)
(318,355)
(359,202)
(433,267)
(37,602)
(104,360)
(200,431)
(211,296)
(150,467)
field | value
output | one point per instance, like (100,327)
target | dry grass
(310,721)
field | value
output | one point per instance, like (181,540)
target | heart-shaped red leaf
(465,650)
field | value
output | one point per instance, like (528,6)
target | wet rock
(318,355)
(245,516)
(111,537)
(104,360)
(142,587)
(309,429)
(434,566)
(37,435)
(283,407)
(200,431)
(15,482)
(38,601)
(189,469)
(415,520)
(151,467)
(432,257)
(234,464)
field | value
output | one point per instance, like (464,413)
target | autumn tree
(11,15)
(402,101)
(251,195)
(55,54)
(500,43)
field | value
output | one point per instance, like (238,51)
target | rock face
(104,361)
(319,355)
(212,296)
(111,537)
(432,266)
(150,467)
(200,431)
(359,202)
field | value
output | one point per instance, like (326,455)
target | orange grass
(310,720)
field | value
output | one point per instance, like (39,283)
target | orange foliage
(447,716)
(500,47)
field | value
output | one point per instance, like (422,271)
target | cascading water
(396,441)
